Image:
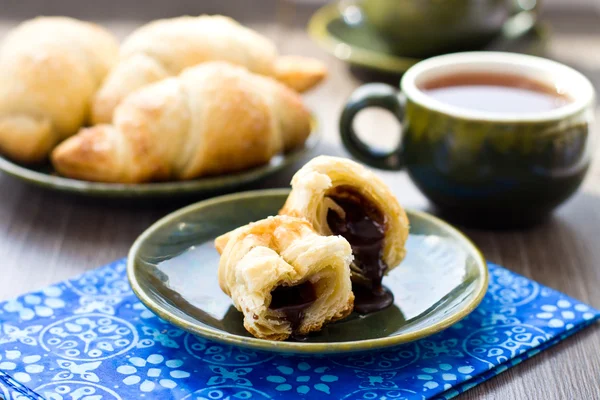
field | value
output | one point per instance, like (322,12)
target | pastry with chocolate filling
(338,196)
(284,277)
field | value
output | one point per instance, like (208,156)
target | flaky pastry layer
(284,251)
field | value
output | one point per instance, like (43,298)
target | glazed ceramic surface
(172,268)
(420,28)
(45,176)
(342,30)
(484,168)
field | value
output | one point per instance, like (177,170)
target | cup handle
(371,95)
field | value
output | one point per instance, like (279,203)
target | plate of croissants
(182,105)
(333,265)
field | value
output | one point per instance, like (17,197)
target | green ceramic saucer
(340,29)
(172,268)
(45,176)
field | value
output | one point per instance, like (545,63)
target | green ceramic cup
(424,28)
(483,168)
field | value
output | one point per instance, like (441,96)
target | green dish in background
(172,268)
(45,176)
(341,30)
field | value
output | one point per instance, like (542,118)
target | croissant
(212,119)
(284,277)
(340,197)
(50,67)
(165,47)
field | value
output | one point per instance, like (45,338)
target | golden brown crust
(284,251)
(128,75)
(314,182)
(74,157)
(50,68)
(300,73)
(166,47)
(214,118)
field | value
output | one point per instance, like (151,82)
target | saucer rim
(363,57)
(317,30)
(200,186)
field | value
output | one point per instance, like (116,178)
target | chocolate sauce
(364,228)
(368,300)
(292,301)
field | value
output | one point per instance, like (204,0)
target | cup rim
(584,97)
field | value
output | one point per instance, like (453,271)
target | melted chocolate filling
(368,300)
(292,301)
(364,228)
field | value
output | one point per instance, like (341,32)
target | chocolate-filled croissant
(340,197)
(284,277)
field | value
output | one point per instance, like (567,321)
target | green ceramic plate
(341,29)
(45,176)
(172,268)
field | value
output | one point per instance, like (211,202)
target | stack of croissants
(179,99)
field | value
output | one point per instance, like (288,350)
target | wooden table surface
(46,237)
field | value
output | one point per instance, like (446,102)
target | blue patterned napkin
(89,338)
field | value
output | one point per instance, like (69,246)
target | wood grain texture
(46,237)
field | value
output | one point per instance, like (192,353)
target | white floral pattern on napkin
(89,338)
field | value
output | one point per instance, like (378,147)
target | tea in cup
(492,139)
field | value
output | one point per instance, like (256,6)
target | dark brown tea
(494,92)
